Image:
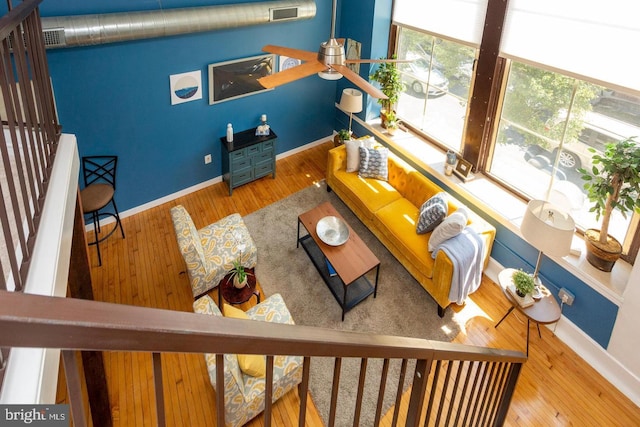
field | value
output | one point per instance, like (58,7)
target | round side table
(233,295)
(543,311)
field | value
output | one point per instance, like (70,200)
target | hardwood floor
(556,386)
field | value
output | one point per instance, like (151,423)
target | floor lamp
(351,102)
(548,229)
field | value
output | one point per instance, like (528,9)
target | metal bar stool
(99,188)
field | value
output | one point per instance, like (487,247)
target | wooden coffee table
(544,311)
(233,295)
(351,260)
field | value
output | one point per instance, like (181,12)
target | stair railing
(452,384)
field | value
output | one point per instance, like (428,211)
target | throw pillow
(373,163)
(367,141)
(353,155)
(450,227)
(432,212)
(251,364)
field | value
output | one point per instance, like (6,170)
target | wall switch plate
(207,159)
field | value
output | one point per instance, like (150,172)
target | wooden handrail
(489,375)
(67,323)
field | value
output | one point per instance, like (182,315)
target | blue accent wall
(115,97)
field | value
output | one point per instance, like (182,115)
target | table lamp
(351,102)
(548,229)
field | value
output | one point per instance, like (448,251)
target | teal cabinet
(248,157)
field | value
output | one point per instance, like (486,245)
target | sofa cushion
(450,227)
(368,194)
(432,212)
(398,222)
(374,163)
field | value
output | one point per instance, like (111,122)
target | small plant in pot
(342,136)
(389,78)
(239,275)
(523,282)
(612,183)
(391,122)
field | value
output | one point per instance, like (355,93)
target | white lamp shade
(547,228)
(351,101)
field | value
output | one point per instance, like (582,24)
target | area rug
(402,307)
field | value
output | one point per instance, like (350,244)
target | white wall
(625,339)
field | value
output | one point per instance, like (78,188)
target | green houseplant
(523,282)
(390,80)
(239,275)
(612,183)
(342,136)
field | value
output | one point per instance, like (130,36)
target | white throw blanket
(465,251)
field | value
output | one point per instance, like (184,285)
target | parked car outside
(598,131)
(417,77)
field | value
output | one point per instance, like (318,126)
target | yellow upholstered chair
(209,252)
(244,395)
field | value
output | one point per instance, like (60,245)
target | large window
(437,84)
(547,124)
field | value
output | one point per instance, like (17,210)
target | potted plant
(612,183)
(523,282)
(390,80)
(342,136)
(239,275)
(391,122)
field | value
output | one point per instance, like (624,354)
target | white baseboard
(585,347)
(200,186)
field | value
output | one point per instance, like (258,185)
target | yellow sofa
(390,209)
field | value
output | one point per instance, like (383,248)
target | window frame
(482,117)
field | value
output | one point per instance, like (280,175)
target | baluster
(463,395)
(157,381)
(334,391)
(74,387)
(268,392)
(383,383)
(363,374)
(403,373)
(220,389)
(302,391)
(443,393)
(418,389)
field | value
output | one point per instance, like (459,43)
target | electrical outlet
(566,296)
(207,159)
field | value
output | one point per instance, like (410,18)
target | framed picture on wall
(235,79)
(286,63)
(185,87)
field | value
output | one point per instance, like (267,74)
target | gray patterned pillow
(432,212)
(373,163)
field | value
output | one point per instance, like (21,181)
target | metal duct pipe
(84,30)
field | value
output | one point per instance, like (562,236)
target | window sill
(504,207)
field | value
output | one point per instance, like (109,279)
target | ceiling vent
(53,37)
(284,14)
(85,30)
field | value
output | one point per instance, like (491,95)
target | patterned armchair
(209,252)
(244,395)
